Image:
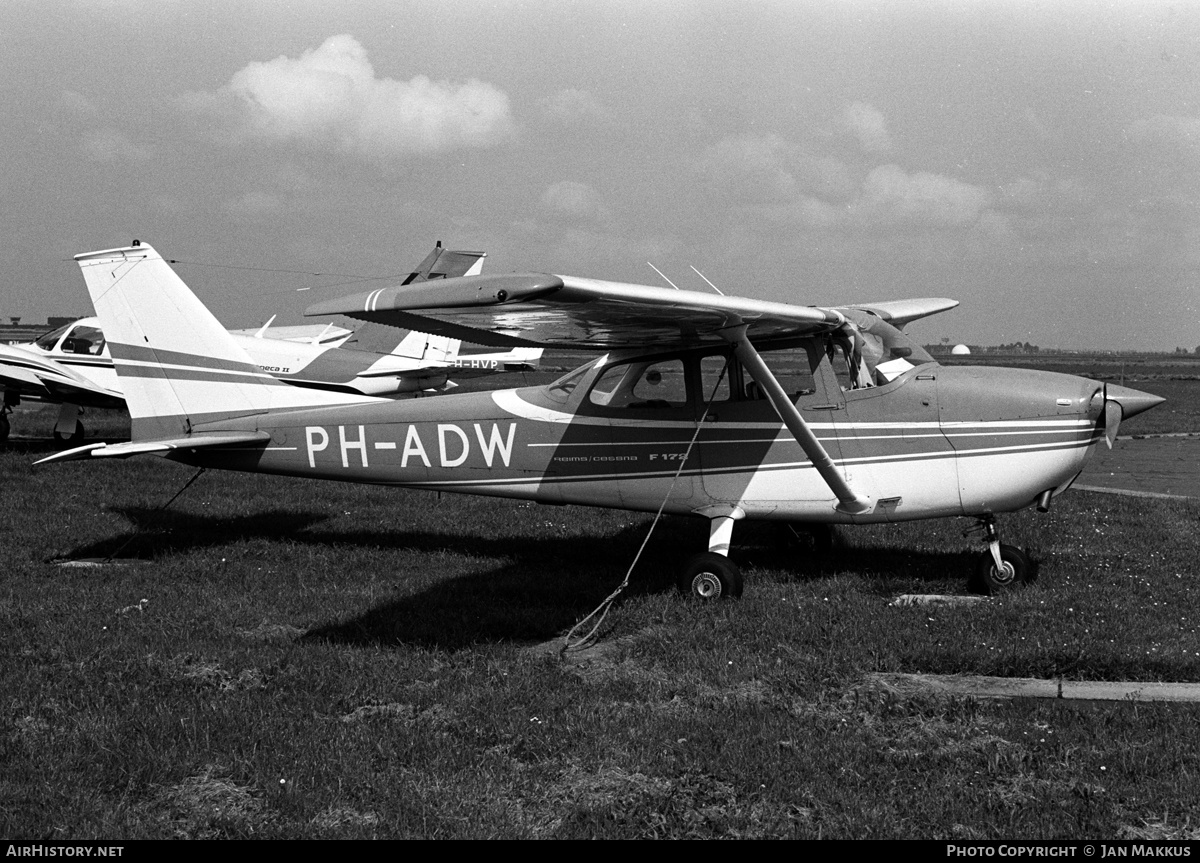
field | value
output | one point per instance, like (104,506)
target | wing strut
(849,501)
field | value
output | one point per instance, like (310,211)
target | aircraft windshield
(48,341)
(562,388)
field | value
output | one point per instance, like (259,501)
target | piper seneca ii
(71,366)
(718,407)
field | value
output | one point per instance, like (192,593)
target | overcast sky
(1038,161)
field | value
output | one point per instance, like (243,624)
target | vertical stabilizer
(442,349)
(177,365)
(412,345)
(383,339)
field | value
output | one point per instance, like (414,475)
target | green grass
(284,658)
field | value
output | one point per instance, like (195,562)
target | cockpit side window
(84,340)
(792,367)
(642,384)
(716,378)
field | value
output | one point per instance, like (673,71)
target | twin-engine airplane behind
(72,366)
(719,407)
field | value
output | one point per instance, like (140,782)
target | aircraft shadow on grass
(160,533)
(540,585)
(527,601)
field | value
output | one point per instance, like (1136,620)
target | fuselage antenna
(665,279)
(710,284)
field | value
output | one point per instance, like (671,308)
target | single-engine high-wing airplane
(714,406)
(72,365)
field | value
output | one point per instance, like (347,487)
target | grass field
(279,658)
(273,657)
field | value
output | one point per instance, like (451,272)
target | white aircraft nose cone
(1132,401)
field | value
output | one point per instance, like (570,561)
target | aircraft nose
(1132,401)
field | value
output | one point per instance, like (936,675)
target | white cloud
(1046,195)
(750,168)
(891,195)
(767,169)
(868,126)
(889,198)
(783,182)
(577,201)
(330,98)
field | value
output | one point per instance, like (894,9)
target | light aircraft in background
(719,407)
(72,366)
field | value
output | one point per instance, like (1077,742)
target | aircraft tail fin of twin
(382,339)
(178,366)
(441,349)
(446,264)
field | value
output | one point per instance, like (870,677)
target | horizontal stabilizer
(164,445)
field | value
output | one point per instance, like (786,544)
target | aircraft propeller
(1112,418)
(1119,404)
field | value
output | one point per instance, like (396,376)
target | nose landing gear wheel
(709,576)
(1017,570)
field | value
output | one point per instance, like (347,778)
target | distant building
(960,351)
(17,332)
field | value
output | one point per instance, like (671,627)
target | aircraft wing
(900,313)
(540,310)
(44,379)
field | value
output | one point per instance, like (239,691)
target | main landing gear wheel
(75,437)
(1017,570)
(710,576)
(4,427)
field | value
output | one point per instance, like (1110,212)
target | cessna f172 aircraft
(72,366)
(719,407)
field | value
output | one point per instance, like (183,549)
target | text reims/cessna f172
(719,407)
(71,366)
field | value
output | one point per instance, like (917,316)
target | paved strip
(1163,465)
(1130,492)
(1031,687)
